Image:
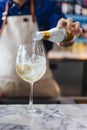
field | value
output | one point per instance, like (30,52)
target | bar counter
(55,117)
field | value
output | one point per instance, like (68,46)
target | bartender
(18,20)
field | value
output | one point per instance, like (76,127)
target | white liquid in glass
(33,70)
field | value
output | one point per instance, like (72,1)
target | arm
(2,8)
(54,15)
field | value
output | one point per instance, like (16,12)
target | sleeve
(2,8)
(55,15)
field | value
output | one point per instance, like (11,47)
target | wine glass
(30,67)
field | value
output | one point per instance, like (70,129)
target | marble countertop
(55,117)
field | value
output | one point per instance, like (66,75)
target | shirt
(47,12)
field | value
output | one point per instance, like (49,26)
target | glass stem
(31,96)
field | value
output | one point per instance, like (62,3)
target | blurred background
(69,64)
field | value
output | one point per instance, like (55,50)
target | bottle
(54,35)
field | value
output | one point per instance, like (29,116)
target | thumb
(58,44)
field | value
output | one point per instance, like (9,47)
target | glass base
(32,110)
(35,112)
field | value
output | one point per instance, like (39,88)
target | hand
(72,29)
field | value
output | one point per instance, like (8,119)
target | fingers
(76,29)
(71,27)
(67,23)
(77,26)
(62,23)
(79,32)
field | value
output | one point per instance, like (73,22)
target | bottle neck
(49,33)
(46,35)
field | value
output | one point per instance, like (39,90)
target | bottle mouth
(37,36)
(34,35)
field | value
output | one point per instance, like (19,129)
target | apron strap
(32,10)
(4,18)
